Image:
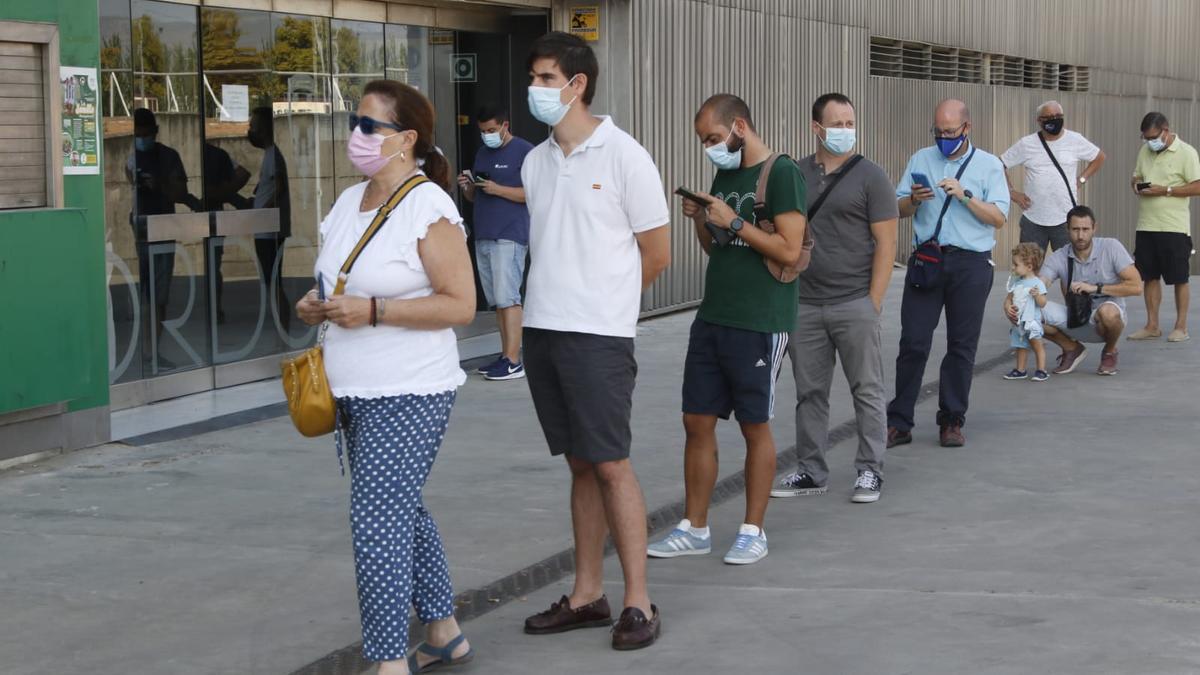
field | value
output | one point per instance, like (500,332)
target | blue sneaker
(482,370)
(1040,376)
(505,370)
(680,542)
(1015,374)
(749,547)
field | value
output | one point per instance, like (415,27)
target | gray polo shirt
(844,247)
(1103,266)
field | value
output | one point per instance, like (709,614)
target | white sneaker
(749,547)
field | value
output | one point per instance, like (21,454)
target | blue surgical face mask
(720,155)
(545,103)
(949,146)
(1157,144)
(143,143)
(839,141)
(493,140)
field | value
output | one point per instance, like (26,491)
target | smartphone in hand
(692,197)
(1143,186)
(922,180)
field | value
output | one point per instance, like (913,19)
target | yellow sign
(585,22)
(441,37)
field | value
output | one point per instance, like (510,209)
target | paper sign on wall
(235,99)
(80,137)
(585,22)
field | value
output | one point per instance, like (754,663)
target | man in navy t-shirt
(501,226)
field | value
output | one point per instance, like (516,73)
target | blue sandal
(444,656)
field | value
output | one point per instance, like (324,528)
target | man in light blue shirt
(968,194)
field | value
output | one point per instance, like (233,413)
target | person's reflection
(159,183)
(222,179)
(271,192)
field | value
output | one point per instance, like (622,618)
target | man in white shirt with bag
(1051,158)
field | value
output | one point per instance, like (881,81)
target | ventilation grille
(941,63)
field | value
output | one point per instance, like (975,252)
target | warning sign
(585,22)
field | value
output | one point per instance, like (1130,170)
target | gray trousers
(1043,235)
(849,330)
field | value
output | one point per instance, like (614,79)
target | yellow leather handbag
(309,398)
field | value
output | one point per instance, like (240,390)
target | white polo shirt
(585,271)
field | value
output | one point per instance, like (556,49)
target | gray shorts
(1055,314)
(582,388)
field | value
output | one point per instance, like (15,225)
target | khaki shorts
(1055,314)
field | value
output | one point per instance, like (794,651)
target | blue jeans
(967,279)
(501,271)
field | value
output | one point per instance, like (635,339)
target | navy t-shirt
(496,217)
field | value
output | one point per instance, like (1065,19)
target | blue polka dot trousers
(398,556)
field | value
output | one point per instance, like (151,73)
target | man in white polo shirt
(597,239)
(1049,193)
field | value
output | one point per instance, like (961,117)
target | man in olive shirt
(852,212)
(740,334)
(1163,248)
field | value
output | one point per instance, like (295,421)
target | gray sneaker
(797,485)
(748,548)
(866,488)
(679,542)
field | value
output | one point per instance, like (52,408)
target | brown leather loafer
(952,436)
(634,631)
(897,437)
(561,618)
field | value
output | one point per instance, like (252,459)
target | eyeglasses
(370,125)
(942,133)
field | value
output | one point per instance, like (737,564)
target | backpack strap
(760,190)
(380,216)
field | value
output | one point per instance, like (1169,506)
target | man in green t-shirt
(1163,247)
(740,334)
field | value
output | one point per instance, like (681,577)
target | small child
(1028,294)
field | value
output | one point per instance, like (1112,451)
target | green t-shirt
(738,290)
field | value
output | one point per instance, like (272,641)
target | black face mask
(1053,126)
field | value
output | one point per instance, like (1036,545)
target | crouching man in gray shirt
(853,215)
(1099,267)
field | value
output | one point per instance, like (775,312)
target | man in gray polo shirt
(1104,270)
(853,214)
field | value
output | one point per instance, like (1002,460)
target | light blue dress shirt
(984,177)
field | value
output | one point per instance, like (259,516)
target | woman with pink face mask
(391,358)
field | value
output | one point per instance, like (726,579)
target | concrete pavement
(1057,541)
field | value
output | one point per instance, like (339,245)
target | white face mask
(720,155)
(545,103)
(839,141)
(1157,144)
(493,140)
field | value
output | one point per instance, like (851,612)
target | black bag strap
(1070,271)
(937,231)
(380,216)
(1057,166)
(812,210)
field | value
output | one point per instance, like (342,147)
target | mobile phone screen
(691,197)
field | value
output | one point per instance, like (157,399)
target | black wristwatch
(736,225)
(1099,289)
(967,196)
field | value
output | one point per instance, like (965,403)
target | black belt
(956,249)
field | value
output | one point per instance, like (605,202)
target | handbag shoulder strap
(1059,167)
(1070,270)
(380,216)
(812,210)
(937,231)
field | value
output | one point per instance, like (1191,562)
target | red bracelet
(372,321)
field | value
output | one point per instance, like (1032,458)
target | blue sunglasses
(370,125)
